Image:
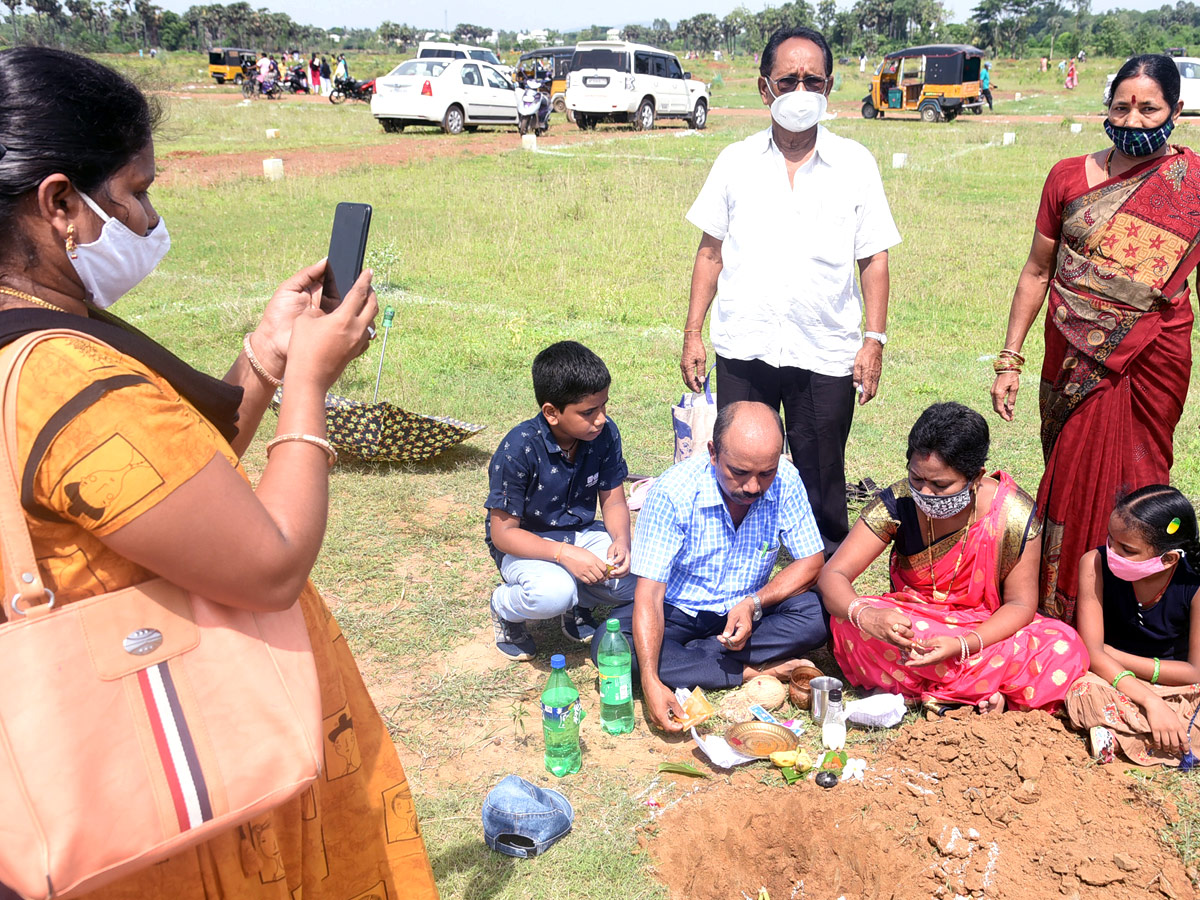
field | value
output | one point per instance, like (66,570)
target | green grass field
(487,259)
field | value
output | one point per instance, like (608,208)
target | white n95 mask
(798,110)
(117,261)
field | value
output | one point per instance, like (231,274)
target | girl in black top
(1136,614)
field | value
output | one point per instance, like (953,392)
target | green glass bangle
(1121,675)
(1154,677)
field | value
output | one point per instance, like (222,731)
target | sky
(508,15)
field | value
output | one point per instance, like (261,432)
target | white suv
(632,83)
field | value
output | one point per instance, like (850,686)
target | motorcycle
(268,88)
(349,89)
(296,80)
(533,110)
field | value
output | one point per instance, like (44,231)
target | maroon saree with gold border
(1118,357)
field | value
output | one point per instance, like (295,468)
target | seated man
(706,611)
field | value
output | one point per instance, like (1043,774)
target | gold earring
(71,242)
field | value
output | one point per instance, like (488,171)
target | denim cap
(523,820)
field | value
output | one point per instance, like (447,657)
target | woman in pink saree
(959,626)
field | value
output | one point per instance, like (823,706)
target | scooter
(533,110)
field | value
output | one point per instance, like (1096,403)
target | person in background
(708,610)
(985,83)
(556,560)
(314,73)
(1115,238)
(1072,77)
(1140,620)
(862,62)
(786,215)
(152,448)
(960,624)
(342,72)
(326,77)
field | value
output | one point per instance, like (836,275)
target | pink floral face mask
(1135,570)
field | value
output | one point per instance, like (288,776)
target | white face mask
(117,261)
(798,110)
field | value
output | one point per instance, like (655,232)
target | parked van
(624,82)
(456,51)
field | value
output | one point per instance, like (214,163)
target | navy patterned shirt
(531,478)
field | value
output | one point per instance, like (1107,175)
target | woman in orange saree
(958,626)
(1120,231)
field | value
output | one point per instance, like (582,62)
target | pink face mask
(1131,570)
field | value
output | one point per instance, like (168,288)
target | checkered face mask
(1138,141)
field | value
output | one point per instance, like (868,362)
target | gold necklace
(942,596)
(29,298)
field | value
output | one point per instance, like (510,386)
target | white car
(1189,83)
(632,83)
(427,49)
(456,94)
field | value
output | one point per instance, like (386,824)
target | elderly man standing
(785,215)
(706,611)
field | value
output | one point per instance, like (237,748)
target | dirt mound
(964,806)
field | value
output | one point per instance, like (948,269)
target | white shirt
(787,293)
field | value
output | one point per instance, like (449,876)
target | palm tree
(13,7)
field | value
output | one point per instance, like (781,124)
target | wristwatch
(880,336)
(757,614)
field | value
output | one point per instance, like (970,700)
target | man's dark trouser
(817,411)
(987,93)
(691,655)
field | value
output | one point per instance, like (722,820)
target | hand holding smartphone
(347,247)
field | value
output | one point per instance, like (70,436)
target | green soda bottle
(616,680)
(561,715)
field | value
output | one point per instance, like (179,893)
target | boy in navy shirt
(555,558)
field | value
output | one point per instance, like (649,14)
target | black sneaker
(512,638)
(578,625)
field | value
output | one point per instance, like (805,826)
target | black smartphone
(347,246)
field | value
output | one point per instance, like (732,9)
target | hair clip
(1173,525)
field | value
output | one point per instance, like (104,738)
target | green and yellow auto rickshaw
(548,64)
(939,81)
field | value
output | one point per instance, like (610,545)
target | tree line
(1012,28)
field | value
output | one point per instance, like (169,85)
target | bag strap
(708,397)
(24,591)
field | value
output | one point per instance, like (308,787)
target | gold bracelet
(304,439)
(257,366)
(558,552)
(693,331)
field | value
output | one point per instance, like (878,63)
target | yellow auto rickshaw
(549,64)
(230,64)
(939,81)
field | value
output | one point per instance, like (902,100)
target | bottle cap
(835,696)
(613,624)
(558,661)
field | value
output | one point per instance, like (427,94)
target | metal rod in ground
(387,324)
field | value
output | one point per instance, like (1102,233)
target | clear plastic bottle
(616,680)
(833,731)
(561,715)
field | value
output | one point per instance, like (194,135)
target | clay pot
(799,691)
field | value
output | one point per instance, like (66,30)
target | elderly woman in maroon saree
(1120,229)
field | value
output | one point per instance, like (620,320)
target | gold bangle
(558,552)
(257,366)
(693,331)
(304,439)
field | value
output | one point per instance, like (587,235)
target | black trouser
(817,411)
(987,93)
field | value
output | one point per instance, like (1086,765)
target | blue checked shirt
(685,537)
